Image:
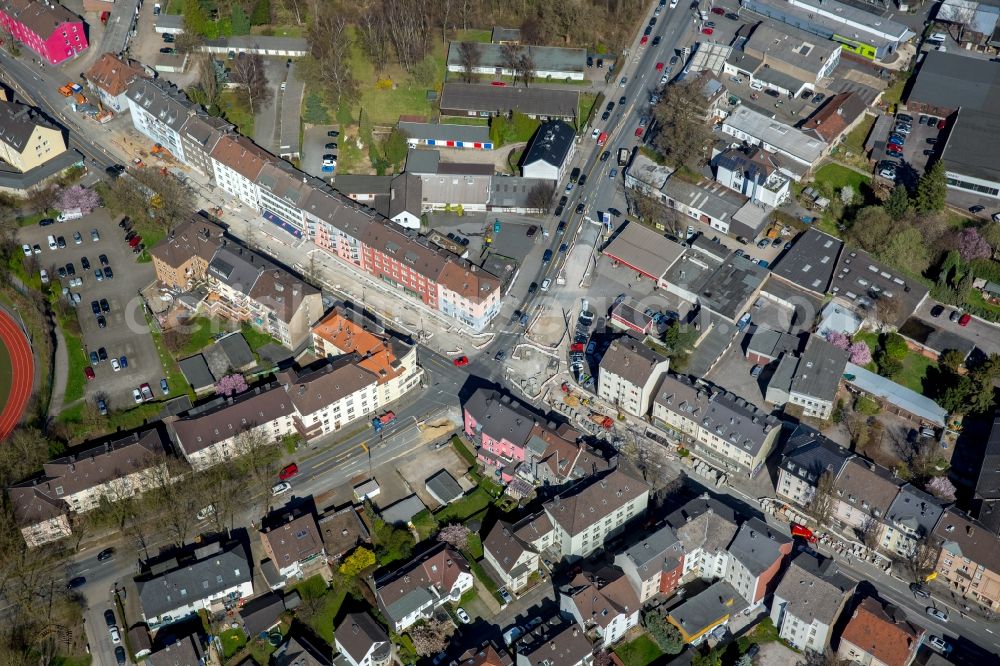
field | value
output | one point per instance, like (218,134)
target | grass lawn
(855,141)
(958,220)
(75,660)
(175,378)
(76,382)
(30,220)
(201,337)
(975,299)
(639,652)
(235,112)
(255,338)
(836,177)
(280,30)
(915,367)
(425,524)
(587,102)
(894,93)
(350,159)
(460,120)
(322,620)
(233,641)
(471,504)
(463,450)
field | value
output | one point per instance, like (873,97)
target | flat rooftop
(643,249)
(776,133)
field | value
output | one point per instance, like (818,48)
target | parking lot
(313,148)
(126,333)
(922,144)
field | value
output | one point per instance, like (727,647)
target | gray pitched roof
(163,100)
(236,349)
(810,262)
(18,123)
(656,549)
(593,499)
(236,268)
(770,343)
(630,359)
(533,101)
(402,511)
(915,509)
(988,483)
(182,652)
(808,454)
(197,372)
(446,132)
(500,417)
(261,613)
(758,546)
(357,633)
(813,589)
(551,144)
(443,487)
(819,369)
(175,583)
(705,609)
(546,58)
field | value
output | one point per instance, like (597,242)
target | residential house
(182,258)
(716,423)
(76,483)
(707,610)
(798,151)
(808,455)
(185,651)
(490,60)
(910,519)
(594,510)
(837,117)
(390,359)
(47,28)
(705,528)
(879,636)
(629,374)
(342,531)
(159,111)
(282,192)
(262,613)
(808,600)
(512,558)
(554,644)
(756,555)
(222,430)
(27,139)
(875,291)
(810,263)
(213,577)
(411,593)
(485,655)
(967,562)
(549,152)
(362,641)
(478,101)
(299,650)
(602,602)
(110,77)
(653,565)
(809,381)
(330,395)
(767,345)
(864,493)
(754,173)
(292,541)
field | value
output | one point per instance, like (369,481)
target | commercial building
(716,423)
(110,77)
(648,253)
(809,380)
(444,135)
(629,374)
(213,577)
(879,635)
(112,471)
(799,150)
(362,641)
(810,263)
(967,563)
(602,602)
(51,31)
(719,206)
(860,282)
(593,510)
(808,600)
(549,151)
(653,565)
(767,346)
(412,592)
(483,101)
(495,60)
(784,58)
(27,139)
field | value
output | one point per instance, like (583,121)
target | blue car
(547,257)
(328,169)
(94,360)
(123,361)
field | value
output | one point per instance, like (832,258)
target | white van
(66,215)
(937,38)
(52,242)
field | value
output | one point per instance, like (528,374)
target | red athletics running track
(22,370)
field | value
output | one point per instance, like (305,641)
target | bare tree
(409,27)
(922,559)
(249,74)
(208,79)
(540,196)
(526,68)
(469,55)
(171,203)
(885,311)
(430,636)
(868,533)
(683,133)
(510,58)
(821,505)
(258,462)
(371,28)
(330,45)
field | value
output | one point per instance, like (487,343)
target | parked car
(954,316)
(120,655)
(164,387)
(108,273)
(88,372)
(115,635)
(937,310)
(101,321)
(463,616)
(136,395)
(109,618)
(105,306)
(280,488)
(964,319)
(288,471)
(115,365)
(123,360)
(939,644)
(936,613)
(103,259)
(462,361)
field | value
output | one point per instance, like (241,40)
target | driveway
(985,335)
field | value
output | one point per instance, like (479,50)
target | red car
(719,10)
(644,40)
(576,347)
(639,131)
(964,319)
(707,31)
(89,372)
(288,472)
(498,83)
(942,123)
(135,241)
(461,361)
(659,66)
(894,146)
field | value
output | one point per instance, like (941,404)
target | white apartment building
(603,602)
(335,394)
(808,600)
(629,374)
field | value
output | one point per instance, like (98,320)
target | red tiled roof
(874,631)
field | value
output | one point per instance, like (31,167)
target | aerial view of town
(499,332)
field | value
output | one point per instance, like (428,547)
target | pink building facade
(49,29)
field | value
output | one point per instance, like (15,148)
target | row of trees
(164,201)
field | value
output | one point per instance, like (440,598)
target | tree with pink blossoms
(861,354)
(973,246)
(941,488)
(456,536)
(838,339)
(78,198)
(231,385)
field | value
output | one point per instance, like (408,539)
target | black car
(561,228)
(107,553)
(108,275)
(559,210)
(76,582)
(615,212)
(101,321)
(61,242)
(103,259)
(621,100)
(937,310)
(977,209)
(138,248)
(61,271)
(563,248)
(109,618)
(673,60)
(70,269)
(647,31)
(129,236)
(583,179)
(610,106)
(579,208)
(96,307)
(547,256)
(333,133)
(732,17)
(919,590)
(120,655)
(932,140)
(46,222)
(772,92)
(954,316)
(168,38)
(124,222)
(605,155)
(590,61)
(500,355)
(656,40)
(167,50)
(532,288)
(563,200)
(331,146)
(102,354)
(85,263)
(115,170)
(605,115)
(105,306)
